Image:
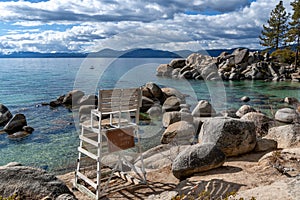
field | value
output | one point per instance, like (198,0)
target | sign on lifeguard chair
(120,139)
(111,138)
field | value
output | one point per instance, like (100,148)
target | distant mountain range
(110,53)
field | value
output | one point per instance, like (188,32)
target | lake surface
(26,83)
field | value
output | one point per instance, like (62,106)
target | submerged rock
(245,99)
(55,103)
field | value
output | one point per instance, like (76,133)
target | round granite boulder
(286,115)
(197,158)
(232,136)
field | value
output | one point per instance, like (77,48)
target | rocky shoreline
(195,142)
(14,125)
(239,65)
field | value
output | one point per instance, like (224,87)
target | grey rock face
(203,109)
(260,120)
(171,104)
(176,116)
(182,132)
(5,115)
(286,136)
(286,115)
(73,97)
(244,110)
(30,183)
(232,136)
(15,124)
(197,158)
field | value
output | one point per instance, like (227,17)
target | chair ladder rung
(85,190)
(87,180)
(88,140)
(89,154)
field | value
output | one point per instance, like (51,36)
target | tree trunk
(297,52)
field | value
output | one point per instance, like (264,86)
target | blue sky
(92,25)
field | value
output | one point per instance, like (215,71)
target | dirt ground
(237,174)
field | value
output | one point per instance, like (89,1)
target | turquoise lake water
(26,83)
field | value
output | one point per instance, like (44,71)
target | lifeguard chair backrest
(122,100)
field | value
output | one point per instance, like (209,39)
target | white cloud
(124,24)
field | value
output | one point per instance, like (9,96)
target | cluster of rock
(74,99)
(14,125)
(155,101)
(205,138)
(239,65)
(24,182)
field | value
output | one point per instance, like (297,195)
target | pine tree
(274,33)
(294,31)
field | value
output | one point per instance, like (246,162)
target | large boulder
(88,100)
(156,91)
(86,110)
(197,158)
(286,136)
(260,120)
(177,63)
(73,97)
(155,112)
(232,136)
(146,104)
(240,55)
(164,70)
(171,104)
(173,92)
(203,109)
(15,124)
(286,115)
(5,115)
(30,183)
(160,156)
(264,144)
(176,116)
(181,132)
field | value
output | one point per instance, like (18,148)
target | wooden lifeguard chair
(112,141)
